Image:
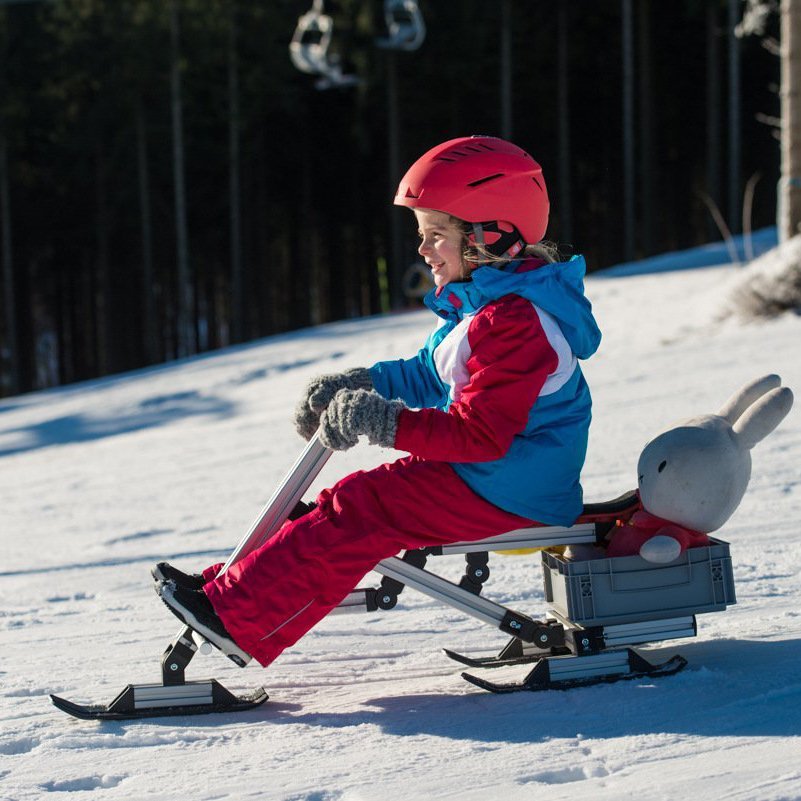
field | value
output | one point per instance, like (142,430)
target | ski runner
(493,410)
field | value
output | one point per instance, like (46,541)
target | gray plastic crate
(627,589)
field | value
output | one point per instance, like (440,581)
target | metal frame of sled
(601,608)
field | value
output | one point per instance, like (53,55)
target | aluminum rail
(273,514)
(443,590)
(276,511)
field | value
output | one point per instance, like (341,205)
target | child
(493,410)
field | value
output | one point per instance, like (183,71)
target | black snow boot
(195,609)
(164,571)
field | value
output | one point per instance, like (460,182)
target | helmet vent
(538,183)
(466,151)
(486,180)
(411,194)
(485,145)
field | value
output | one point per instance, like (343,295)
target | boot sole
(228,647)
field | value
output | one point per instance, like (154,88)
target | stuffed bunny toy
(693,476)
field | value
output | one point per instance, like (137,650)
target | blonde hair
(474,256)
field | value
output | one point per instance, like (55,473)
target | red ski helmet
(480,179)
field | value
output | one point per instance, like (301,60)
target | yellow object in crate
(523,551)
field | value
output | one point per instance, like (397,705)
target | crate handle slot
(650,587)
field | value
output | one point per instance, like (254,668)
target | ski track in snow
(100,480)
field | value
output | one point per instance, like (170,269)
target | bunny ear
(761,418)
(746,395)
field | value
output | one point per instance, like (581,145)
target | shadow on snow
(150,413)
(731,688)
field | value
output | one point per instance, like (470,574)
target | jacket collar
(456,300)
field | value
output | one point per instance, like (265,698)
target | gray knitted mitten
(359,411)
(319,392)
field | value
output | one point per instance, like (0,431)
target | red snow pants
(270,598)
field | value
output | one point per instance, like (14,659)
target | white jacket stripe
(452,354)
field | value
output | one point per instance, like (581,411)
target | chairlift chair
(405,25)
(309,49)
(309,46)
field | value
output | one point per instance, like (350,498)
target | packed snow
(100,480)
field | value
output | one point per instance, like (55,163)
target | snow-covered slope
(99,480)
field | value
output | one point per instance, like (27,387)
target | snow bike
(600,607)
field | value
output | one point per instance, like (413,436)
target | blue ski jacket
(497,391)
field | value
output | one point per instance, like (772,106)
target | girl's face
(441,245)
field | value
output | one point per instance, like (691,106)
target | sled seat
(591,527)
(622,507)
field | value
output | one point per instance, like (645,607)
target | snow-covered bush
(770,284)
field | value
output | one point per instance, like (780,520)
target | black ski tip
(494,661)
(492,686)
(78,710)
(461,658)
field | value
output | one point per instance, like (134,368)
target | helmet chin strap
(478,235)
(507,246)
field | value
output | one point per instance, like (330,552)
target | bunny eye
(662,466)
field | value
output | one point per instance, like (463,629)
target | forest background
(170,183)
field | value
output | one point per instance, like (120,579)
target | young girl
(493,410)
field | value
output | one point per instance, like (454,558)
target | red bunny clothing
(628,538)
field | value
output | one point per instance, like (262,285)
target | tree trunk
(237,310)
(185,305)
(506,69)
(647,170)
(395,299)
(713,113)
(565,210)
(790,186)
(734,118)
(628,131)
(149,334)
(104,333)
(9,296)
